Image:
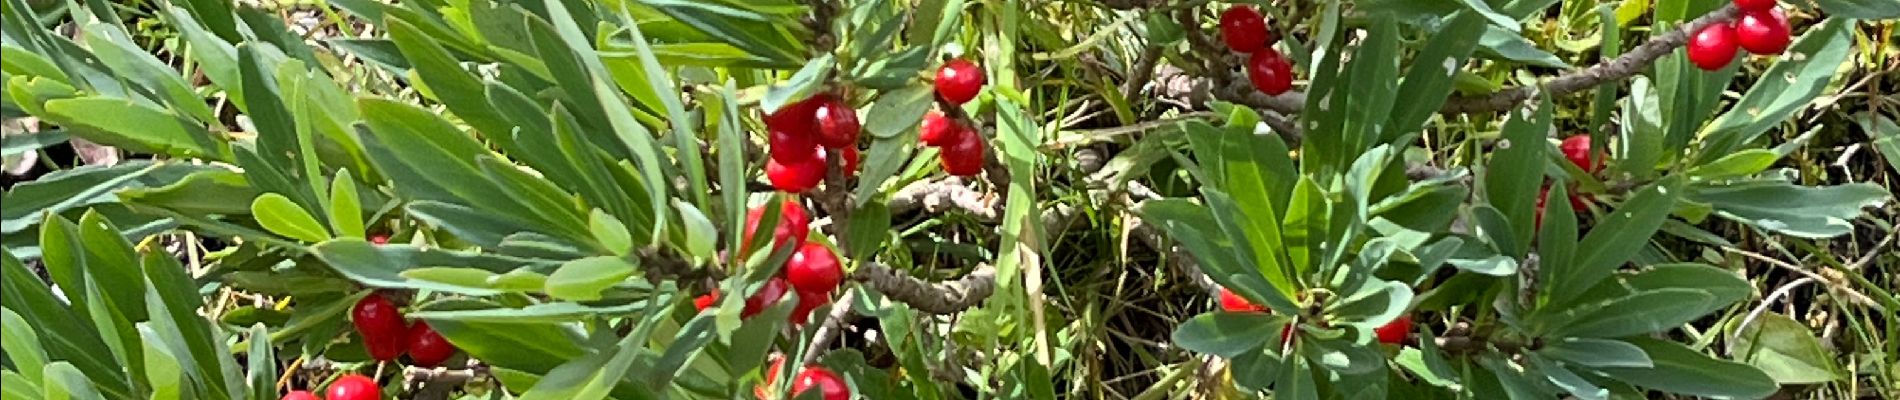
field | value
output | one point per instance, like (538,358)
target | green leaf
(1517,170)
(54,193)
(64,381)
(1726,286)
(610,232)
(1498,43)
(590,377)
(758,34)
(1643,312)
(534,347)
(802,85)
(1885,135)
(16,144)
(1861,9)
(117,51)
(263,364)
(1564,379)
(886,156)
(1787,208)
(1616,237)
(1373,305)
(173,301)
(14,386)
(1795,81)
(1679,369)
(869,227)
(1597,353)
(898,111)
(585,278)
(63,337)
(346,209)
(22,345)
(136,127)
(1227,334)
(1429,80)
(382,265)
(282,216)
(1741,164)
(1557,240)
(1783,348)
(700,233)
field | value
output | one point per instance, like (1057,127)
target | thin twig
(936,298)
(829,327)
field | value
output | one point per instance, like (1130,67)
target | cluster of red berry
(813,269)
(957,82)
(1395,332)
(800,133)
(1762,29)
(387,335)
(829,385)
(1245,31)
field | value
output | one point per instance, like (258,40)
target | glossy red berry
(427,348)
(963,156)
(774,290)
(807,302)
(1244,29)
(1396,331)
(799,117)
(1232,302)
(299,395)
(1576,148)
(958,81)
(706,301)
(837,123)
(850,160)
(379,238)
(796,175)
(1763,32)
(1713,47)
(828,384)
(937,129)
(814,268)
(790,145)
(1270,72)
(1754,5)
(354,387)
(380,323)
(793,225)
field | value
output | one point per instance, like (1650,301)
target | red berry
(796,175)
(850,158)
(814,268)
(354,387)
(793,224)
(958,81)
(937,130)
(1231,302)
(1577,149)
(381,324)
(1396,331)
(1244,29)
(964,156)
(1763,32)
(807,302)
(1270,72)
(299,395)
(706,301)
(828,383)
(427,348)
(1713,47)
(379,238)
(837,123)
(1754,5)
(789,145)
(773,291)
(798,118)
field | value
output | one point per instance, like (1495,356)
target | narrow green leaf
(1616,237)
(1516,171)
(346,210)
(700,234)
(1227,334)
(282,216)
(1794,81)
(1679,369)
(1597,353)
(1783,348)
(1644,312)
(585,278)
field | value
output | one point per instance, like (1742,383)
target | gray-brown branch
(940,298)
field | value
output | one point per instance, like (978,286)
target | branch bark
(936,298)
